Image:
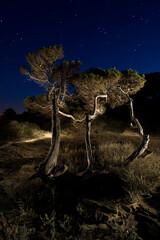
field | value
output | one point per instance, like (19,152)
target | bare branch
(96,105)
(50,92)
(70,116)
(142,148)
(38,80)
(44,109)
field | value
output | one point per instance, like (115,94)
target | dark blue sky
(105,33)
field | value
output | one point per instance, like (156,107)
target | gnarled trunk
(89,119)
(145,138)
(141,149)
(50,162)
(88,140)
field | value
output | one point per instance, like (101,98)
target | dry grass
(141,177)
(73,154)
(114,154)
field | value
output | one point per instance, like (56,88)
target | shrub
(16,130)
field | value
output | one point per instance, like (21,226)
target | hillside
(111,203)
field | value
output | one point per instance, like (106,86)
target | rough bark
(141,149)
(89,119)
(50,162)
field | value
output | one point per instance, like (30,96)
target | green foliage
(113,72)
(132,81)
(43,68)
(90,76)
(97,81)
(28,101)
(98,73)
(41,98)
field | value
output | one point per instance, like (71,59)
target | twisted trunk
(50,162)
(141,149)
(88,140)
(89,119)
(145,138)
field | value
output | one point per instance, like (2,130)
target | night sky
(105,33)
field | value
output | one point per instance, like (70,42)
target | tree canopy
(44,70)
(91,83)
(98,82)
(89,90)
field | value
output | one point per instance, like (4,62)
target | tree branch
(70,116)
(95,110)
(39,107)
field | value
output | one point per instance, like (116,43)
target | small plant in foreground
(49,222)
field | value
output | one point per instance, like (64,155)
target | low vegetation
(113,203)
(14,130)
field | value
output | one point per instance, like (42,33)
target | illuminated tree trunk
(145,138)
(89,119)
(51,160)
